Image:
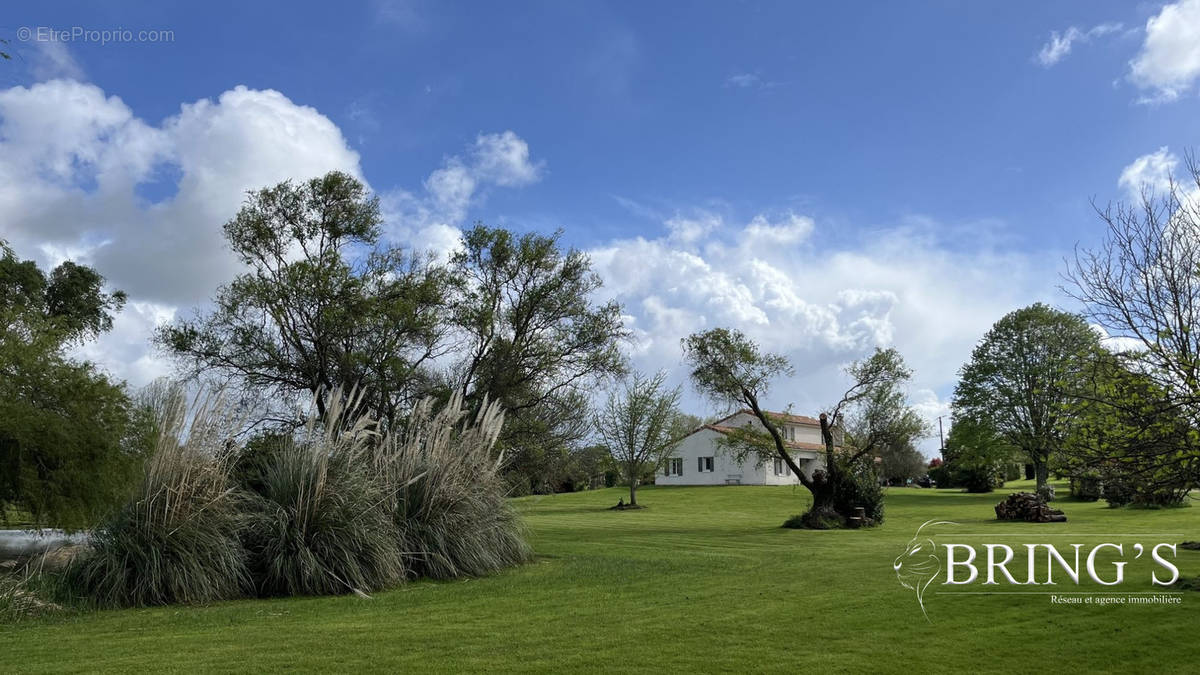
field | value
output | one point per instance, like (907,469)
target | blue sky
(826,176)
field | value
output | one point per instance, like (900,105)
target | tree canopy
(534,340)
(69,437)
(323,304)
(1016,378)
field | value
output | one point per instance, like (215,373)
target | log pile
(1028,507)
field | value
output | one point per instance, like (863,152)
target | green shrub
(1124,491)
(1086,487)
(319,522)
(448,496)
(176,539)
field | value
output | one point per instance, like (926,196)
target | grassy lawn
(702,580)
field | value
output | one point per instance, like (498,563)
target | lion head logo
(919,565)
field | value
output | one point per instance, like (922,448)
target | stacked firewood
(1028,507)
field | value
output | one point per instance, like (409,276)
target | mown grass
(704,579)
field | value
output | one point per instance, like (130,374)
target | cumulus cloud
(1169,61)
(688,230)
(1060,44)
(1151,171)
(430,219)
(820,300)
(82,177)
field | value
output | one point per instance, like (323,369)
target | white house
(697,460)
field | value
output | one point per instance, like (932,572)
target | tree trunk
(1041,468)
(633,492)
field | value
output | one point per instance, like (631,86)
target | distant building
(697,460)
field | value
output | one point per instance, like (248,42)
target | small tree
(637,425)
(976,455)
(730,368)
(901,463)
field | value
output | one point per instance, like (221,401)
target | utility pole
(941,439)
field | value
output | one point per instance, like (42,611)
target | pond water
(17,543)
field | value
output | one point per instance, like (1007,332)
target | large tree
(1016,379)
(69,438)
(323,306)
(533,338)
(637,425)
(733,371)
(1142,284)
(1125,429)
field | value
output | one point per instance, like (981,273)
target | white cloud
(51,59)
(81,176)
(430,220)
(1151,171)
(503,159)
(690,229)
(1169,61)
(820,300)
(1060,44)
(743,80)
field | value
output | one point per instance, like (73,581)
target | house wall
(703,443)
(726,471)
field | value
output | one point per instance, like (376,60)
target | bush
(176,539)
(862,489)
(1116,493)
(977,479)
(1086,486)
(319,522)
(449,502)
(940,474)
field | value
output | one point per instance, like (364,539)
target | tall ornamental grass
(320,522)
(335,508)
(176,539)
(447,497)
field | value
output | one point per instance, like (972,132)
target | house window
(675,466)
(704,464)
(781,469)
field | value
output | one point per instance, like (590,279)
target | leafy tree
(589,467)
(732,370)
(976,455)
(637,426)
(1126,430)
(534,340)
(1015,379)
(898,464)
(69,438)
(323,306)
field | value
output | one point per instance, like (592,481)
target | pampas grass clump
(176,539)
(336,508)
(447,495)
(319,522)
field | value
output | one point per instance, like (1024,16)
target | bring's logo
(1089,570)
(920,565)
